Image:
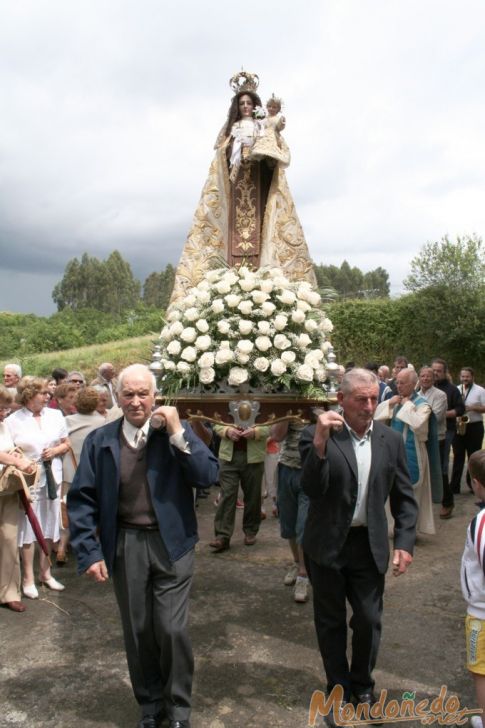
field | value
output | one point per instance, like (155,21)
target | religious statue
(246,214)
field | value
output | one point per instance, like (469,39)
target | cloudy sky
(109,110)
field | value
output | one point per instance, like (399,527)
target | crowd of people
(369,468)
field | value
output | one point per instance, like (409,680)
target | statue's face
(246,106)
(272,108)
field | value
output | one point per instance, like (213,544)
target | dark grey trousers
(153,599)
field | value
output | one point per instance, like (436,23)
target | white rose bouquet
(243,328)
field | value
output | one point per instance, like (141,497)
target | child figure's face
(272,108)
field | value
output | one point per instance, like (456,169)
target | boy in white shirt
(473,586)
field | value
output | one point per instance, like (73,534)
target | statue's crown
(244,81)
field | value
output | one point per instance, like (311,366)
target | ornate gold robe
(232,222)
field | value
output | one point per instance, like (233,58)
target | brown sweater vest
(135,509)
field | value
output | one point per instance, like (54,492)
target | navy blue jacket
(93,496)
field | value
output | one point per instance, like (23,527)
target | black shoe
(179,724)
(151,721)
(366,697)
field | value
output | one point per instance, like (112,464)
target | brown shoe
(446,512)
(219,544)
(15,606)
(249,540)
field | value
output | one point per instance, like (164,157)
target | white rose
(247,284)
(242,358)
(223,326)
(304,286)
(222,287)
(176,328)
(288,356)
(191,314)
(266,285)
(326,346)
(174,348)
(189,300)
(311,325)
(206,375)
(312,360)
(174,315)
(224,356)
(203,285)
(245,327)
(275,272)
(263,343)
(183,367)
(203,296)
(303,306)
(245,307)
(316,354)
(313,298)
(225,344)
(264,327)
(166,334)
(188,335)
(305,373)
(297,316)
(230,277)
(287,297)
(259,297)
(261,364)
(245,346)
(217,305)
(280,322)
(189,354)
(321,374)
(168,365)
(206,360)
(268,308)
(244,271)
(303,341)
(202,326)
(281,341)
(237,375)
(232,300)
(278,367)
(281,281)
(212,276)
(203,342)
(326,326)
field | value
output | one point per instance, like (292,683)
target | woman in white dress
(42,435)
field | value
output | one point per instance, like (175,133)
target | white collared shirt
(131,435)
(363,455)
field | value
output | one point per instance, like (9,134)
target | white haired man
(131,513)
(107,379)
(12,374)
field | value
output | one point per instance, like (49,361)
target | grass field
(87,358)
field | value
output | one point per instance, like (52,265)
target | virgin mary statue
(246,214)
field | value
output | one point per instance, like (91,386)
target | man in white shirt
(472,439)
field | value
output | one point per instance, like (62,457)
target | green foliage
(108,286)
(158,287)
(459,265)
(352,282)
(22,335)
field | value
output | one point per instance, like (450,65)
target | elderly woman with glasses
(41,433)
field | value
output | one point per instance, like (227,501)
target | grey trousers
(153,599)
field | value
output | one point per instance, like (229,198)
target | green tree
(108,286)
(157,287)
(352,282)
(459,265)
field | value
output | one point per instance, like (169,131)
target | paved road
(62,662)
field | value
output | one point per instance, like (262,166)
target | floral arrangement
(245,330)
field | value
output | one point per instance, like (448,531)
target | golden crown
(244,81)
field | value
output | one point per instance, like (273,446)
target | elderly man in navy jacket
(132,518)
